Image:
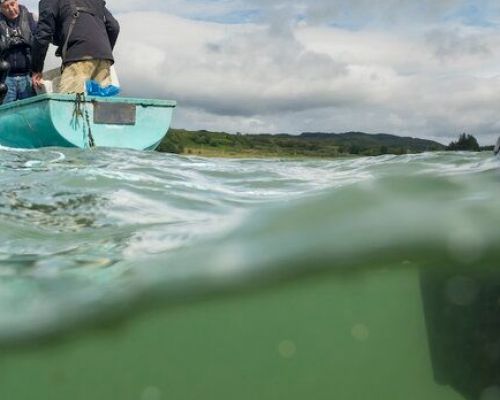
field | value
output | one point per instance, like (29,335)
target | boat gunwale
(63,97)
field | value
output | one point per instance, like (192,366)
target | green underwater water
(129,275)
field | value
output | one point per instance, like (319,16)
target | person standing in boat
(85,32)
(17,25)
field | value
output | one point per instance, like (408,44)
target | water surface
(80,228)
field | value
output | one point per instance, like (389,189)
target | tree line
(466,143)
(311,144)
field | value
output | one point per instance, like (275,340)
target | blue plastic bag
(95,89)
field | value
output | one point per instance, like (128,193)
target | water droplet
(461,291)
(151,393)
(287,349)
(360,332)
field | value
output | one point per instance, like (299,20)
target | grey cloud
(249,72)
(455,43)
(259,83)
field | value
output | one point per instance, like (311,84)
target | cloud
(456,43)
(236,70)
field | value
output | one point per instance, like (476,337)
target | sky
(427,68)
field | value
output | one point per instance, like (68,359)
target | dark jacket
(16,37)
(91,35)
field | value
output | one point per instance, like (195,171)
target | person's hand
(37,79)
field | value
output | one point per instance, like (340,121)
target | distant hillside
(309,144)
(366,141)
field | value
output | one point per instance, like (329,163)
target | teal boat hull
(60,120)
